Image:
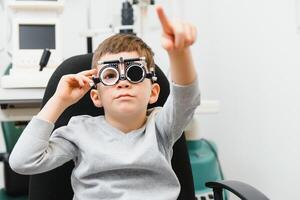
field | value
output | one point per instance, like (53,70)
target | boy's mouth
(126,95)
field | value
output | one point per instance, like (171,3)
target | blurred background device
(35,26)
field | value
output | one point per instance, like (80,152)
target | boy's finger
(179,35)
(194,33)
(189,34)
(82,80)
(88,72)
(164,21)
(86,79)
(74,81)
(167,42)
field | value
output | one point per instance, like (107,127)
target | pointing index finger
(164,21)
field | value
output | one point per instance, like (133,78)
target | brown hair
(124,43)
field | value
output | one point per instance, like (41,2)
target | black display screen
(36,36)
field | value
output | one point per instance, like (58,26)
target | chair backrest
(55,184)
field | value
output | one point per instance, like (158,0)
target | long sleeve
(177,111)
(38,151)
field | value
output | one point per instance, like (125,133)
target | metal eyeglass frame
(127,63)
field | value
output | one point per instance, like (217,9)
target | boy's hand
(72,87)
(176,35)
(176,39)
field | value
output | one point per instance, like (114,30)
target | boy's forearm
(52,110)
(182,67)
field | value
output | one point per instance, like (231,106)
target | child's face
(125,98)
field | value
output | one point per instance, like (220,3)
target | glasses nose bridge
(122,72)
(122,69)
(123,82)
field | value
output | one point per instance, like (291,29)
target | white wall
(247,56)
(248,59)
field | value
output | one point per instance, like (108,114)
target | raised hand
(72,87)
(177,35)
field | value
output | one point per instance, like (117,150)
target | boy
(125,154)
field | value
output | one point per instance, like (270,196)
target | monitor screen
(36,36)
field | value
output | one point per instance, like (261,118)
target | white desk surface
(21,95)
(27,103)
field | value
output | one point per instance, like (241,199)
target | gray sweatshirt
(108,163)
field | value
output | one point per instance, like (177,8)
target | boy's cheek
(101,88)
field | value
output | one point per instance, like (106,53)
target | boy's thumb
(167,43)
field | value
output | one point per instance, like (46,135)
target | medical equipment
(205,166)
(31,38)
(37,5)
(134,70)
(127,22)
(31,34)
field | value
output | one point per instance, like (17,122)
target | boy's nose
(123,84)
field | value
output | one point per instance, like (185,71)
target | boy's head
(124,99)
(124,43)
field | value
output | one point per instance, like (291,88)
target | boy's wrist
(52,109)
(182,66)
(58,102)
(179,52)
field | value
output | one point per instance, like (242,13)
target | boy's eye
(109,76)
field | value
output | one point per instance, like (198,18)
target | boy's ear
(154,93)
(95,96)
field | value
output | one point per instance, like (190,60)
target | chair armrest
(4,157)
(240,189)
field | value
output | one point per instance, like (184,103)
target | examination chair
(15,185)
(55,184)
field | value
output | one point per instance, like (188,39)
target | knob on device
(45,58)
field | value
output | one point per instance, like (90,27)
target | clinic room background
(247,56)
